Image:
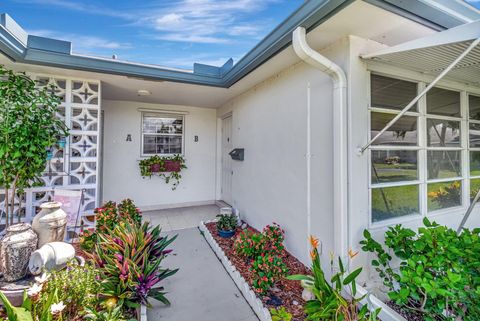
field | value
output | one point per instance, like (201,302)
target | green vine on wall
(159,166)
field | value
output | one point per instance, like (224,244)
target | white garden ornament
(51,256)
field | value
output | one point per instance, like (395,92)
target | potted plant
(226,225)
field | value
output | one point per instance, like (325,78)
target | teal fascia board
(48,44)
(41,57)
(56,53)
(202,69)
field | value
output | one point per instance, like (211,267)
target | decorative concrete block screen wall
(75,167)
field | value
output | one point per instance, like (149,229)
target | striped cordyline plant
(129,258)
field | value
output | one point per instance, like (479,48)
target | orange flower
(313,241)
(313,255)
(352,254)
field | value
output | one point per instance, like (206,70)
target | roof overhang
(20,47)
(56,53)
(433,54)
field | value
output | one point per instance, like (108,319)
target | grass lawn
(404,200)
(394,173)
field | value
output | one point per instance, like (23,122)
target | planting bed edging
(387,313)
(142,313)
(255,303)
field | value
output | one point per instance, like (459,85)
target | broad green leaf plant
(329,303)
(28,129)
(439,272)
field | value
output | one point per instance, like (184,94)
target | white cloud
(244,30)
(81,43)
(204,21)
(181,37)
(194,21)
(83,7)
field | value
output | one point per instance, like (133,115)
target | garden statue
(15,250)
(50,223)
(51,256)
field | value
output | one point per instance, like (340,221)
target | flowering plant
(129,258)
(447,196)
(249,244)
(107,217)
(328,302)
(267,270)
(62,295)
(252,244)
(274,236)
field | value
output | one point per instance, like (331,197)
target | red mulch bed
(290,291)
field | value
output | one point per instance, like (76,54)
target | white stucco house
(304,105)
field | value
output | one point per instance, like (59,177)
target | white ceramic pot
(50,224)
(51,256)
(15,250)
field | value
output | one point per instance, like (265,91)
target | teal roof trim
(23,48)
(49,44)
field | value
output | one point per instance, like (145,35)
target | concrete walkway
(181,218)
(201,290)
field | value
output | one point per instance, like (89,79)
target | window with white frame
(427,160)
(162,133)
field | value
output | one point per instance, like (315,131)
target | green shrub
(29,128)
(249,244)
(273,236)
(267,270)
(266,250)
(252,244)
(439,273)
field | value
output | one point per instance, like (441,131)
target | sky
(172,33)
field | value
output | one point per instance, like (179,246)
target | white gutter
(308,157)
(340,206)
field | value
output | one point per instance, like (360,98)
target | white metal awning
(433,54)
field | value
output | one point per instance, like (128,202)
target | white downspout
(309,176)
(340,199)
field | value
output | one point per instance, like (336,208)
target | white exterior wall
(270,122)
(121,173)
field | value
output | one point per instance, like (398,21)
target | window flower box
(167,166)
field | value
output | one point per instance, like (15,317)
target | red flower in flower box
(169,166)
